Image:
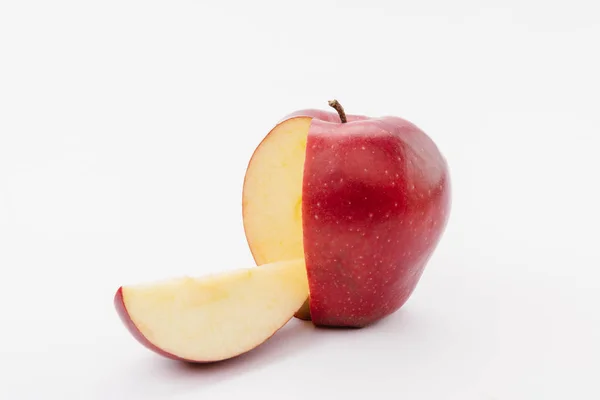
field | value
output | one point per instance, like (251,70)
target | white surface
(125,130)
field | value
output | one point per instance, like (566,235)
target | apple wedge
(215,317)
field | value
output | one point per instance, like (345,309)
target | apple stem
(340,110)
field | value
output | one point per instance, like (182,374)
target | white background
(125,131)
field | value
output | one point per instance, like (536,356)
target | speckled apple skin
(376,201)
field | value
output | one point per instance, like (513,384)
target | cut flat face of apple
(215,317)
(364,201)
(272,197)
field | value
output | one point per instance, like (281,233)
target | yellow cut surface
(272,195)
(218,316)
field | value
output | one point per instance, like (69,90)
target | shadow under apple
(156,377)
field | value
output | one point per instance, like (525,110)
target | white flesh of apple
(272,195)
(219,316)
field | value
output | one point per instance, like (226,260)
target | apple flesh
(364,202)
(215,317)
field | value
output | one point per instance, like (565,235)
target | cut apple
(215,317)
(364,201)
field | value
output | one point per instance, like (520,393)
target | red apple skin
(135,332)
(376,200)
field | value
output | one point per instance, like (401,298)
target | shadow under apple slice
(156,377)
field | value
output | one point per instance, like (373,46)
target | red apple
(363,200)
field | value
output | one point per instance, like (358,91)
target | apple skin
(135,332)
(376,201)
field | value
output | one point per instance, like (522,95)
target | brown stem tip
(340,110)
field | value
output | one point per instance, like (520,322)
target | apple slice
(215,317)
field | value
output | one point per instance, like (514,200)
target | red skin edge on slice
(135,332)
